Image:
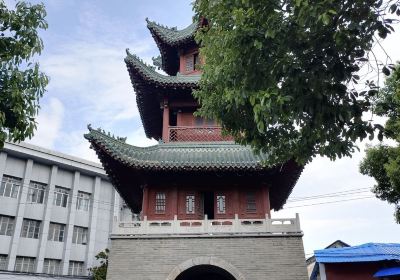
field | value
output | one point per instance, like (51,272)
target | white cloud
(49,123)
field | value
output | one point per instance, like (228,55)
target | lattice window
(30,228)
(3,262)
(189,63)
(56,232)
(80,235)
(160,202)
(61,197)
(36,192)
(76,268)
(6,225)
(52,266)
(10,186)
(83,201)
(251,206)
(221,204)
(25,264)
(190,204)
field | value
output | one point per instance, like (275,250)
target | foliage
(100,272)
(383,161)
(21,82)
(281,75)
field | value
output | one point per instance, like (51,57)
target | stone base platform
(224,257)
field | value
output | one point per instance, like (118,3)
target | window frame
(56,232)
(160,202)
(3,261)
(83,201)
(13,184)
(251,203)
(221,203)
(52,266)
(21,261)
(36,192)
(80,235)
(7,223)
(76,268)
(190,204)
(63,194)
(30,228)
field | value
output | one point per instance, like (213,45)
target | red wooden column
(266,203)
(145,203)
(165,130)
(236,201)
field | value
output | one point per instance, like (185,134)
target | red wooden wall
(352,271)
(235,203)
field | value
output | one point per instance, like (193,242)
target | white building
(56,211)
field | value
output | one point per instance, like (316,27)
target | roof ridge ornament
(103,132)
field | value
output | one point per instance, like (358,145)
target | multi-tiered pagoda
(204,201)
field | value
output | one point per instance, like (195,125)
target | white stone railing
(218,226)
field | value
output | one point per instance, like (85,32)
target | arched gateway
(210,268)
(209,272)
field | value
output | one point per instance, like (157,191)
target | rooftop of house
(369,252)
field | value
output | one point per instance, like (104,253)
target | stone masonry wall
(249,258)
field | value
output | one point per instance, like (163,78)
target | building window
(30,228)
(36,192)
(52,266)
(196,60)
(25,264)
(60,197)
(83,201)
(80,235)
(251,202)
(10,186)
(221,204)
(189,63)
(6,225)
(192,61)
(56,232)
(190,204)
(75,268)
(3,262)
(160,202)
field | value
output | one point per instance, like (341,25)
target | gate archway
(210,268)
(205,272)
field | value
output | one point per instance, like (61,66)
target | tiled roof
(130,167)
(181,156)
(171,35)
(151,87)
(170,41)
(369,252)
(136,66)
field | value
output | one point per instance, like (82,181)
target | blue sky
(84,50)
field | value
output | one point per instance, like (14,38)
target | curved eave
(169,41)
(150,87)
(130,167)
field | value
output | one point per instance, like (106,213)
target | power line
(330,195)
(329,202)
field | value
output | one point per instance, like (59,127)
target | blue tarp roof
(369,252)
(384,272)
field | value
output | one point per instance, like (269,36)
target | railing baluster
(196,134)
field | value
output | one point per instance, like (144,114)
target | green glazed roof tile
(137,67)
(180,156)
(130,167)
(171,35)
